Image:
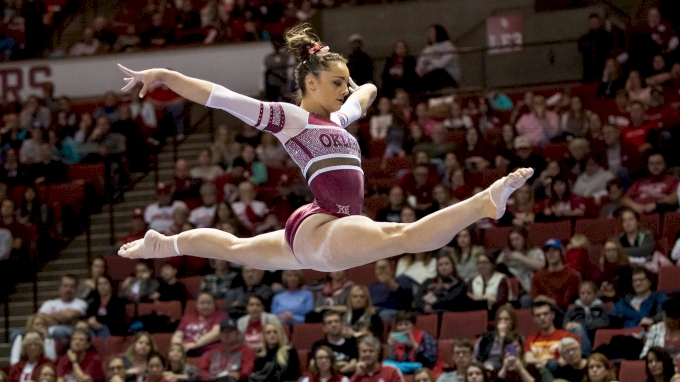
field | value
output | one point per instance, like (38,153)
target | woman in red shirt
(200,333)
(562,204)
(323,367)
(32,359)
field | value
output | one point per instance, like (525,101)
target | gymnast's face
(330,88)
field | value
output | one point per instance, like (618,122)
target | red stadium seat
(120,267)
(457,325)
(445,352)
(363,274)
(671,226)
(597,230)
(496,238)
(633,371)
(652,222)
(196,361)
(428,323)
(193,286)
(485,177)
(525,322)
(130,311)
(394,165)
(302,357)
(555,151)
(668,279)
(162,341)
(99,345)
(114,346)
(376,148)
(190,307)
(313,275)
(172,309)
(68,194)
(539,233)
(304,335)
(93,173)
(604,336)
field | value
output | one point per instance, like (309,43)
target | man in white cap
(359,63)
(525,157)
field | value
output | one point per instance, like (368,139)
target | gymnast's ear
(311,82)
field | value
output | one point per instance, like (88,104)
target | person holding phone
(408,344)
(513,367)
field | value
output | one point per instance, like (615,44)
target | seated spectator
(388,294)
(361,318)
(291,305)
(488,348)
(400,70)
(408,344)
(103,144)
(643,306)
(137,228)
(249,166)
(34,115)
(562,204)
(33,211)
(223,149)
(615,193)
(275,349)
(138,355)
(136,148)
(332,296)
(623,157)
(635,89)
(573,369)
(441,198)
(456,119)
(599,369)
(521,209)
(640,132)
(476,154)
(169,288)
(48,170)
(105,312)
(587,313)
(459,189)
(252,284)
(525,157)
(438,65)
(225,214)
(637,242)
(202,216)
(659,364)
(177,368)
(180,219)
(541,347)
(141,286)
(384,118)
(556,283)
(143,111)
(343,347)
(574,122)
(36,323)
(477,373)
(199,333)
(156,369)
(462,356)
(612,79)
(515,366)
(31,361)
(219,282)
(593,181)
(657,192)
(250,325)
(521,260)
(613,273)
(664,334)
(186,187)
(490,287)
(437,146)
(248,210)
(80,363)
(157,35)
(594,133)
(271,152)
(393,210)
(46,373)
(324,366)
(11,224)
(87,46)
(65,310)
(159,215)
(466,251)
(577,256)
(205,169)
(29,154)
(13,173)
(128,41)
(417,267)
(109,109)
(446,292)
(540,125)
(231,358)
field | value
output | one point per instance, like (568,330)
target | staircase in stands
(73,259)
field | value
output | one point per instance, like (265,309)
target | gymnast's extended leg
(331,245)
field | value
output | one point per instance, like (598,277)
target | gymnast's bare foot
(153,246)
(500,190)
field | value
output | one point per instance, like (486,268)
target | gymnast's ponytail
(312,55)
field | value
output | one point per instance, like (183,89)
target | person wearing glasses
(115,370)
(323,367)
(644,306)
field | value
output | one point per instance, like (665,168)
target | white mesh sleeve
(348,113)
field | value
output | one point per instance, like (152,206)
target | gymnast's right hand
(148,78)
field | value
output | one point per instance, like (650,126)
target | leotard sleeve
(282,119)
(348,113)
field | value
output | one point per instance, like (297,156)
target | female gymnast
(329,234)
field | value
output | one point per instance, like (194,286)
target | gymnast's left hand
(148,78)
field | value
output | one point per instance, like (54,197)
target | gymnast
(329,234)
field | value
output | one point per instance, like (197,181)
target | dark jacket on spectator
(290,373)
(240,297)
(591,318)
(385,298)
(651,307)
(114,316)
(53,172)
(451,295)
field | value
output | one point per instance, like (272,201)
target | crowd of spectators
(602,150)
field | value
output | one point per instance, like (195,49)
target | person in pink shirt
(540,125)
(199,333)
